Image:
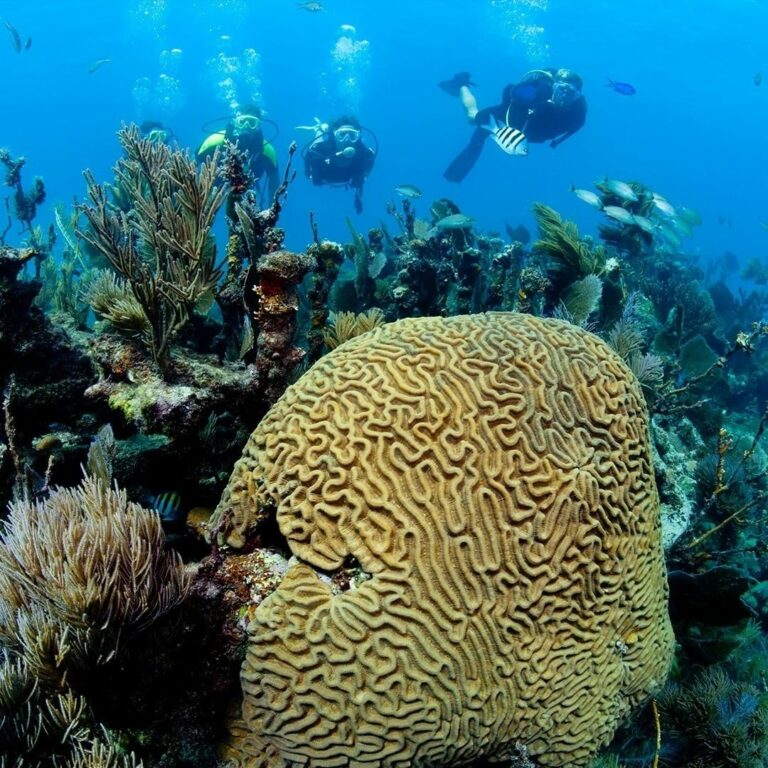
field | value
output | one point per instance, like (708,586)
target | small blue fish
(624,88)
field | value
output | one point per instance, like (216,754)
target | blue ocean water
(694,131)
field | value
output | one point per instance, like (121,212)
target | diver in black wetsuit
(546,105)
(337,156)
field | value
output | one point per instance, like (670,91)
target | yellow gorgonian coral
(343,326)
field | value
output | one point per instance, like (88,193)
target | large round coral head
(491,475)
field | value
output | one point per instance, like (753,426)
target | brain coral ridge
(492,474)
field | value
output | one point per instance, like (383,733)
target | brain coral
(492,474)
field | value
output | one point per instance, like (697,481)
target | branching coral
(39,727)
(79,572)
(162,243)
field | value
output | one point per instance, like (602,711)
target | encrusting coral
(492,475)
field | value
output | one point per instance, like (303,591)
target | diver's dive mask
(564,94)
(346,134)
(245,124)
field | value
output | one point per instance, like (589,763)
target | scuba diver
(546,105)
(338,156)
(156,132)
(244,130)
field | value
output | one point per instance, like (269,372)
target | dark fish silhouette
(758,78)
(625,89)
(15,38)
(28,44)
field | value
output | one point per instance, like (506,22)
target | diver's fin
(464,162)
(453,86)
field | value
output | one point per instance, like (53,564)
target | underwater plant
(66,278)
(582,299)
(112,299)
(79,571)
(715,722)
(568,253)
(160,239)
(343,326)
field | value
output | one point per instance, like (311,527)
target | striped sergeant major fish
(511,140)
(168,506)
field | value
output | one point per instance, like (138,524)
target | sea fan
(583,298)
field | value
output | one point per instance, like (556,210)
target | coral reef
(43,374)
(328,257)
(273,300)
(491,474)
(474,546)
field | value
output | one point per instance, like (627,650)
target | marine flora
(84,567)
(560,242)
(80,573)
(492,475)
(343,326)
(583,298)
(648,369)
(161,243)
(38,727)
(101,755)
(111,298)
(362,254)
(715,721)
(63,278)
